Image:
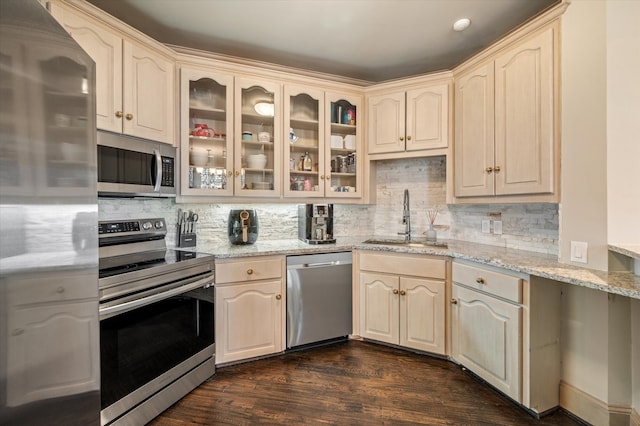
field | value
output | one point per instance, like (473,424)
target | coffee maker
(315,223)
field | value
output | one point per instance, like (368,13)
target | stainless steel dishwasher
(318,298)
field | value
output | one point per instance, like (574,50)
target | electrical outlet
(497,227)
(579,251)
(486,226)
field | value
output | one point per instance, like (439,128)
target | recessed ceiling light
(461,24)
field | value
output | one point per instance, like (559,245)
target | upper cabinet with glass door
(206,133)
(304,151)
(258,138)
(343,164)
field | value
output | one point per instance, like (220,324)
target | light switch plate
(579,251)
(497,227)
(486,226)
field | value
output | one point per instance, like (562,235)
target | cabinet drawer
(52,288)
(249,269)
(495,283)
(403,264)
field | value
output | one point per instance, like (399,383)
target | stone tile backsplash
(531,227)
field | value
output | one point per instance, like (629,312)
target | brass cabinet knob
(408,138)
(237,172)
(403,293)
(328,177)
(401,138)
(488,169)
(278,296)
(454,302)
(496,169)
(395,291)
(249,271)
(60,290)
(129,117)
(480,280)
(119,114)
(322,177)
(229,173)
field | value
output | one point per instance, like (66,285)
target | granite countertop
(631,250)
(527,262)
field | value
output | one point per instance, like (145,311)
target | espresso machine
(315,223)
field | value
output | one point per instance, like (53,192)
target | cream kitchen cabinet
(206,132)
(505,327)
(50,315)
(409,121)
(250,307)
(258,138)
(135,87)
(505,122)
(323,126)
(402,300)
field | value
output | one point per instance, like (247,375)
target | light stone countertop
(631,250)
(531,263)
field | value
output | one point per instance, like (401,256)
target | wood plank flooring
(348,383)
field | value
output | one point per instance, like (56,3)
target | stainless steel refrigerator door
(319,298)
(49,361)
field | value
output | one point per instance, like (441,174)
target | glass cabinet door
(343,146)
(206,132)
(304,168)
(258,139)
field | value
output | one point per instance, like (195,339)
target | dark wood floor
(348,383)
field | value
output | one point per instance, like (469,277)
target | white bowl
(198,157)
(257,161)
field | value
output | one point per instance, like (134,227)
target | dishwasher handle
(319,264)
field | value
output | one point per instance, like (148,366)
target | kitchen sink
(405,243)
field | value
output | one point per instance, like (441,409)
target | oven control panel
(139,226)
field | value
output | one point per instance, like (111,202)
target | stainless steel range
(156,320)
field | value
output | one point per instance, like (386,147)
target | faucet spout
(406,216)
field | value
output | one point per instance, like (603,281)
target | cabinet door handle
(401,138)
(229,173)
(321,177)
(249,271)
(129,117)
(454,302)
(328,177)
(403,293)
(408,138)
(488,169)
(395,291)
(496,169)
(480,280)
(278,296)
(60,290)
(237,172)
(119,114)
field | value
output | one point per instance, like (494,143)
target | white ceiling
(371,40)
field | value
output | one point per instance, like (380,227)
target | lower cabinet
(486,338)
(505,328)
(402,300)
(250,308)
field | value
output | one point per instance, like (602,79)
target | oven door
(150,342)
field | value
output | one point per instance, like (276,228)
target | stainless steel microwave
(134,167)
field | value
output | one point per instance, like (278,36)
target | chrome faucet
(406,216)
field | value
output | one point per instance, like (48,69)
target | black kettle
(243,226)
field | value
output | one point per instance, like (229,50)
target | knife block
(185,239)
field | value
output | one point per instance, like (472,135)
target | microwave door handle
(156,187)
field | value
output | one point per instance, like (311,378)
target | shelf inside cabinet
(207,113)
(304,124)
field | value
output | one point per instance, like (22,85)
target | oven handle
(109,311)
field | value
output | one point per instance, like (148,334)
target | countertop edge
(511,259)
